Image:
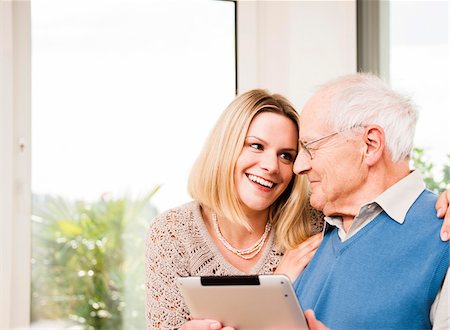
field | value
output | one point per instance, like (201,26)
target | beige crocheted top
(178,244)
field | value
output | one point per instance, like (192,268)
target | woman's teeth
(261,181)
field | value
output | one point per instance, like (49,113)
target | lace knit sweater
(178,244)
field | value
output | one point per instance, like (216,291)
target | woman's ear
(374,142)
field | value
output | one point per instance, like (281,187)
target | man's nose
(302,162)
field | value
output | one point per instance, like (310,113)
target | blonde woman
(242,185)
(250,214)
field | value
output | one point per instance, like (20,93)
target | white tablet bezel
(244,302)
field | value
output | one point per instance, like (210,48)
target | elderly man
(381,264)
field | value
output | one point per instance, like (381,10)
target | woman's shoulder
(316,219)
(176,231)
(178,218)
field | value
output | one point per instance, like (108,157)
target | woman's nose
(270,163)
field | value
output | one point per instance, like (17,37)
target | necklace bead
(247,253)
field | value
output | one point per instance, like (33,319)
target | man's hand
(313,323)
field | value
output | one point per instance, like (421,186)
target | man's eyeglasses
(306,147)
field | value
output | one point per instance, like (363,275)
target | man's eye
(256,146)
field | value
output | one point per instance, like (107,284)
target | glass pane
(124,94)
(419,66)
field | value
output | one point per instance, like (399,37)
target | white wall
(290,47)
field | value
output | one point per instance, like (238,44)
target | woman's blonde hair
(211,182)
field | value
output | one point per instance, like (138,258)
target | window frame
(15,163)
(373,37)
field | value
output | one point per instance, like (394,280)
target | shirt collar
(398,199)
(395,201)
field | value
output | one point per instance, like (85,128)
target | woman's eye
(256,146)
(288,156)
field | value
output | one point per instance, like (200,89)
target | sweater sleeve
(166,259)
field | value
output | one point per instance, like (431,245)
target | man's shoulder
(428,196)
(424,206)
(422,224)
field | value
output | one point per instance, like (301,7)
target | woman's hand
(295,260)
(204,325)
(443,209)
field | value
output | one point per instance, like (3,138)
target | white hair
(361,99)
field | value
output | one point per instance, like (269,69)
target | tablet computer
(244,302)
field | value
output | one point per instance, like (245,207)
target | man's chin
(317,202)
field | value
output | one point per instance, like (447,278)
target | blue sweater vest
(384,277)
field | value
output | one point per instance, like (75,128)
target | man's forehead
(313,117)
(319,102)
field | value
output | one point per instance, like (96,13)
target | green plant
(427,169)
(87,261)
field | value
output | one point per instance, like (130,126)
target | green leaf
(68,228)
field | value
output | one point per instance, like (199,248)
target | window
(124,94)
(407,43)
(419,65)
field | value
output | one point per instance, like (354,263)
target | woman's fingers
(295,260)
(310,244)
(203,325)
(443,209)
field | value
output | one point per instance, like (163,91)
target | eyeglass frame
(308,151)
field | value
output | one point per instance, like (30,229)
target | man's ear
(374,141)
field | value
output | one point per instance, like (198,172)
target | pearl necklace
(247,253)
